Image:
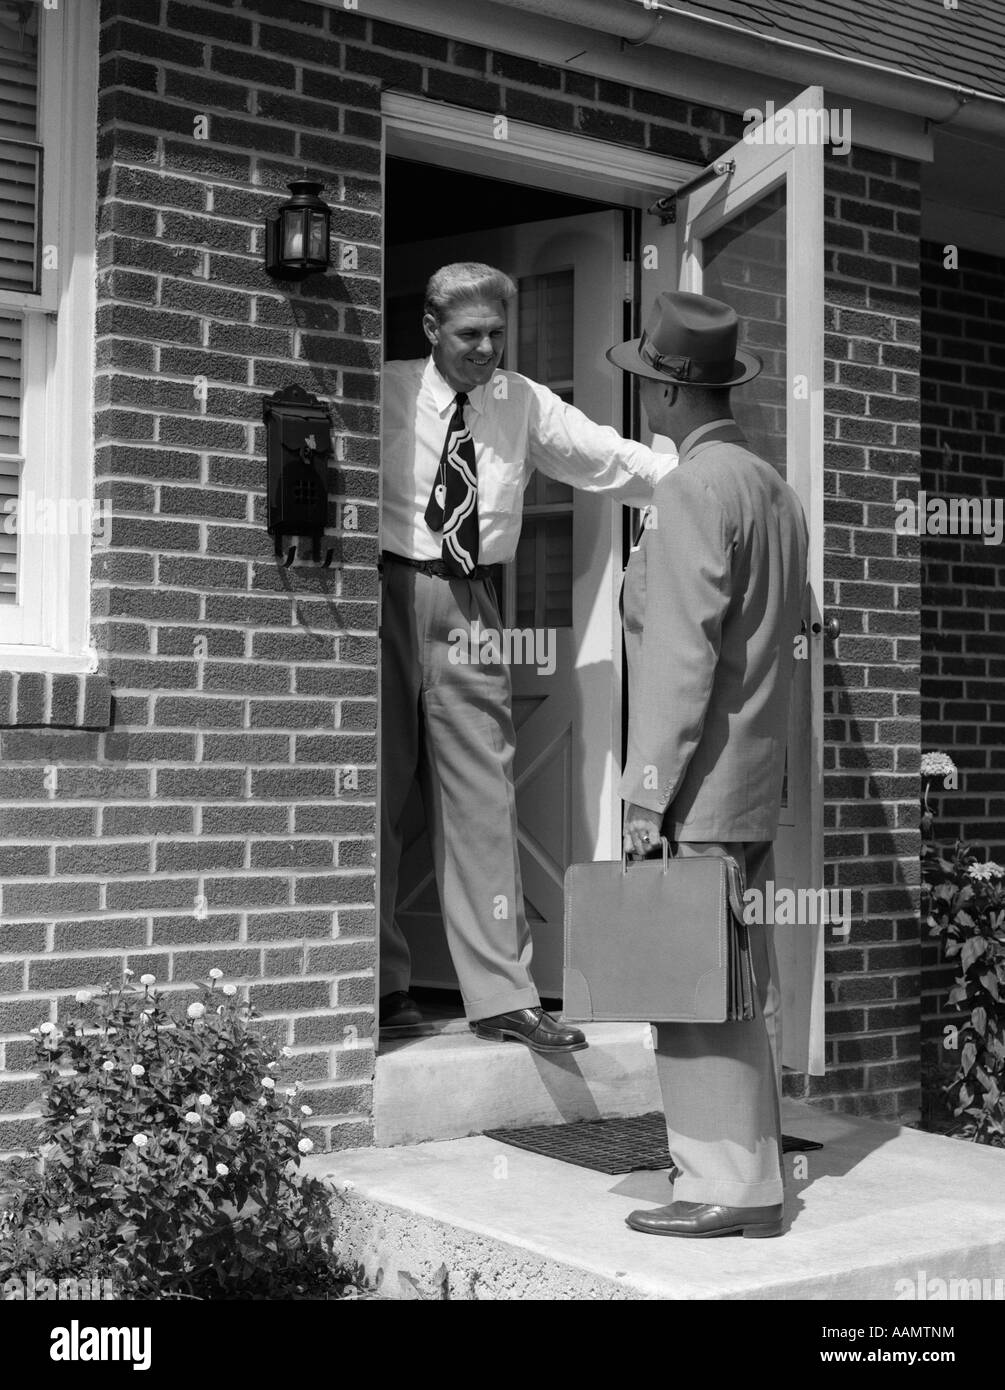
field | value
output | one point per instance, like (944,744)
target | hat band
(683,368)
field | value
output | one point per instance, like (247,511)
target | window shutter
(10,447)
(20,182)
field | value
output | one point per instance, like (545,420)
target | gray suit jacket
(712,603)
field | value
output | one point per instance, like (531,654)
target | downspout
(683,33)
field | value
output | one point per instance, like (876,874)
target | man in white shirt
(460,440)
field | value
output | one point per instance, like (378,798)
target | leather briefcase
(657,942)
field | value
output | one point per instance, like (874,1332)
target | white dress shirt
(516,426)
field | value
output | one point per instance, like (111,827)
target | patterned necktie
(453,505)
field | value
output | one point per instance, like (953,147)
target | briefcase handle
(666,856)
(733,870)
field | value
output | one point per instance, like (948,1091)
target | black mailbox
(298,446)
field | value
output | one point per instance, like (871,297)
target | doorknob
(831,629)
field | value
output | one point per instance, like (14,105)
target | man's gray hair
(465,280)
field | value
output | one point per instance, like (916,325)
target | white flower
(128,973)
(84,1110)
(306,1110)
(216,974)
(47,1028)
(287,1051)
(268,1083)
(148,979)
(140,1140)
(230,990)
(236,1119)
(305,1146)
(273,1066)
(937,765)
(290,1092)
(985,872)
(196,1010)
(110,1032)
(137,1070)
(222,1170)
(263,1100)
(83,996)
(192,1117)
(108,1066)
(205,1098)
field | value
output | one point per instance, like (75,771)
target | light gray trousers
(721,1082)
(450,724)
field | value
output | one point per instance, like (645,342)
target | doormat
(637,1144)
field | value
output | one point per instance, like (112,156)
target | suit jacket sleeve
(688,564)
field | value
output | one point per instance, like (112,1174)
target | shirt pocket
(500,489)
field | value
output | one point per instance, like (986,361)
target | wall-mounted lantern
(297,233)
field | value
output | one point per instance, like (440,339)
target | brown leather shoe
(534,1028)
(399,1010)
(703,1219)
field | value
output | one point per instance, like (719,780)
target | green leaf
(973,949)
(967,1058)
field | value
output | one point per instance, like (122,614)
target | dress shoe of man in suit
(701,1220)
(534,1028)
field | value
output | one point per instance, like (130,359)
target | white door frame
(477,142)
(491,145)
(432,132)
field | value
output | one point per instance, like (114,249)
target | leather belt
(436,568)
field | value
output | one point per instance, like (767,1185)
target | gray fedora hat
(689,339)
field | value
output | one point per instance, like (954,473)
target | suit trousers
(721,1082)
(448,722)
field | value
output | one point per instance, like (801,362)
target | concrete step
(446,1083)
(879,1213)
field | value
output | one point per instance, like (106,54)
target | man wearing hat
(712,601)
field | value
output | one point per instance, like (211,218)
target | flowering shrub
(171,1160)
(964,900)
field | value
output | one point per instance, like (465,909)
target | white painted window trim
(48,629)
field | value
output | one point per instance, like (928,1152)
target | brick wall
(203,822)
(963,613)
(213,779)
(871,711)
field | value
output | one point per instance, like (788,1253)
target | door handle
(831,629)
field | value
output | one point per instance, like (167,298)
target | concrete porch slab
(473,1219)
(446,1084)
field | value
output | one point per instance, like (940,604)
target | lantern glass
(318,237)
(293,234)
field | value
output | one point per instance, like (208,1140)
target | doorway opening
(567,255)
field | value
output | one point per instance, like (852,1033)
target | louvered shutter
(20,158)
(20,194)
(10,444)
(544,553)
